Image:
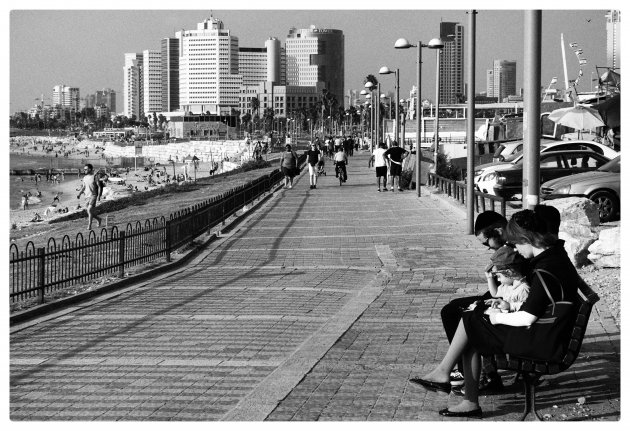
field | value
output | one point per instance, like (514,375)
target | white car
(482,175)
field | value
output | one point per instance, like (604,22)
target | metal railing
(457,190)
(36,272)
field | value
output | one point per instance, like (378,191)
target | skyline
(53,55)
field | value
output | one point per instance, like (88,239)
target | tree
(268,115)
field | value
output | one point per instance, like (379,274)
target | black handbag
(547,338)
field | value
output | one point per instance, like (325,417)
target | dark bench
(530,371)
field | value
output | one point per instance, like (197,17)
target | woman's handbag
(547,338)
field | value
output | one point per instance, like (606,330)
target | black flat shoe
(477,413)
(433,386)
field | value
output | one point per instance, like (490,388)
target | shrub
(250,165)
(446,169)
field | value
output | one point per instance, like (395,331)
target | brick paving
(320,306)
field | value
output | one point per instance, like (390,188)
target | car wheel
(607,203)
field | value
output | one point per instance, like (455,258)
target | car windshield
(613,166)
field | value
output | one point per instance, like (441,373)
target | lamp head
(369,96)
(402,43)
(363,92)
(436,43)
(383,96)
(369,85)
(402,100)
(385,71)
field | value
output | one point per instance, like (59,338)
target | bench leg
(529,381)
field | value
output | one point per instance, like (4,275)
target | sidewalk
(320,306)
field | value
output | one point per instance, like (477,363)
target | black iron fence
(457,190)
(36,272)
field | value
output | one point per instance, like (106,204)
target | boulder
(605,252)
(578,218)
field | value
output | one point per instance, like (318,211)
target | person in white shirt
(380,163)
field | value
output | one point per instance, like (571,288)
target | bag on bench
(545,339)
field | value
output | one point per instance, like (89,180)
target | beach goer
(551,275)
(380,163)
(24,203)
(396,155)
(313,156)
(93,187)
(288,165)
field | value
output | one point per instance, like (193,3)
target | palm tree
(254,104)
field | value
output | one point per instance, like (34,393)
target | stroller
(320,168)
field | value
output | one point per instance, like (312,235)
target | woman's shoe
(477,413)
(433,386)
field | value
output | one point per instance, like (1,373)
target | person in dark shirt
(396,155)
(313,156)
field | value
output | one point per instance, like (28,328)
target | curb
(40,310)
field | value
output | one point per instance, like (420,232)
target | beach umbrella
(610,111)
(578,117)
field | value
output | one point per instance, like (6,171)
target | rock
(578,218)
(605,252)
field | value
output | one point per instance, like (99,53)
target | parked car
(508,151)
(507,180)
(602,186)
(482,171)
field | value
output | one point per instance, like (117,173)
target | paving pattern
(320,306)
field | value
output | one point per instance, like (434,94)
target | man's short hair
(89,166)
(487,219)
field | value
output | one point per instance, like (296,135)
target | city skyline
(36,66)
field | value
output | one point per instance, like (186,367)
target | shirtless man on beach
(94,188)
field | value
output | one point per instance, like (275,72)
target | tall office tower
(490,83)
(504,79)
(613,38)
(252,65)
(66,97)
(106,97)
(274,65)
(90,100)
(208,67)
(132,85)
(451,88)
(170,74)
(316,55)
(151,81)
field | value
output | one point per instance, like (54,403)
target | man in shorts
(396,155)
(380,163)
(93,188)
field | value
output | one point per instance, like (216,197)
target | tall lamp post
(438,46)
(385,71)
(403,43)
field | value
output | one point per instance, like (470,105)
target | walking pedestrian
(93,187)
(288,165)
(313,156)
(380,163)
(396,155)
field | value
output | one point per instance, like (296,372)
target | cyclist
(341,161)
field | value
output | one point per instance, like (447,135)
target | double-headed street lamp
(376,106)
(385,71)
(403,43)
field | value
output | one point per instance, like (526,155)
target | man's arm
(81,190)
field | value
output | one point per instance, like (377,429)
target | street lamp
(385,71)
(389,117)
(376,107)
(403,43)
(367,102)
(436,44)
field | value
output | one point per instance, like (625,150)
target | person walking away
(396,155)
(288,165)
(93,188)
(313,156)
(380,163)
(341,160)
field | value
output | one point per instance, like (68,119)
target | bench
(530,371)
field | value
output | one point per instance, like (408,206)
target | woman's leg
(458,346)
(472,369)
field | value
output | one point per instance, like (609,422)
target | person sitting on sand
(36,218)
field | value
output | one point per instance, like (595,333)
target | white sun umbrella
(578,117)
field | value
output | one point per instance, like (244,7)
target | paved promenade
(319,306)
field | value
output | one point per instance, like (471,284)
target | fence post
(168,240)
(121,255)
(41,266)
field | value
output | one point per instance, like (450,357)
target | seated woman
(495,332)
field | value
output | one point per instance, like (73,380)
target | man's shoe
(432,386)
(378,190)
(477,413)
(314,186)
(384,189)
(491,386)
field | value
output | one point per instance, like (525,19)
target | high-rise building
(132,85)
(613,38)
(489,83)
(66,97)
(90,101)
(451,85)
(208,68)
(316,55)
(151,81)
(252,65)
(170,74)
(504,73)
(106,97)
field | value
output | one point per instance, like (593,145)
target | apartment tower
(132,85)
(169,52)
(504,73)
(152,81)
(451,86)
(613,38)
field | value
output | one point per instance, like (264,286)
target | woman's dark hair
(530,227)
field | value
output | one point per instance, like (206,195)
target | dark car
(553,164)
(602,186)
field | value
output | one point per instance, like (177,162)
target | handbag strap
(542,281)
